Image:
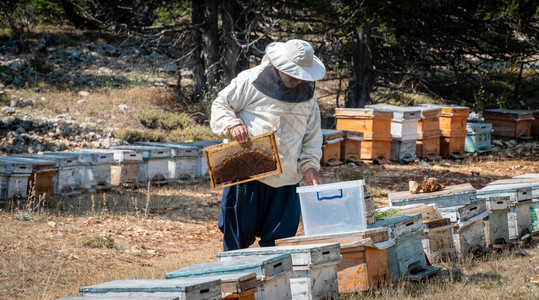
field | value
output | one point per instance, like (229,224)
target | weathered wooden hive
(364,261)
(452,195)
(41,179)
(437,239)
(314,268)
(126,167)
(509,123)
(428,130)
(14,177)
(331,147)
(404,130)
(183,164)
(185,288)
(233,162)
(478,138)
(64,177)
(93,168)
(469,227)
(406,259)
(521,193)
(375,126)
(202,171)
(273,273)
(497,225)
(155,162)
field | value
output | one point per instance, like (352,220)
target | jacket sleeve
(311,151)
(229,102)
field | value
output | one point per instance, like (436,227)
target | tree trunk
(359,87)
(234,61)
(210,36)
(197,20)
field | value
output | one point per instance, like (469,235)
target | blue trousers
(254,209)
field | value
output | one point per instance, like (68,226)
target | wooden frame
(212,149)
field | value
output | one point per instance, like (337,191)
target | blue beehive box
(478,138)
(406,259)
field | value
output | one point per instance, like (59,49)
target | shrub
(192,133)
(100,242)
(134,135)
(165,120)
(392,212)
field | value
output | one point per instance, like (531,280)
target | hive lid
(302,255)
(148,152)
(61,161)
(177,150)
(507,114)
(361,113)
(119,155)
(399,112)
(8,167)
(332,135)
(37,164)
(449,110)
(233,163)
(267,265)
(150,285)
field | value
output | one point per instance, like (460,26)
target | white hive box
(185,289)
(527,176)
(404,122)
(183,164)
(64,177)
(532,183)
(241,286)
(93,170)
(154,167)
(14,178)
(126,167)
(452,195)
(272,271)
(118,298)
(41,180)
(314,268)
(437,239)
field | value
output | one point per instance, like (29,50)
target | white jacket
(296,123)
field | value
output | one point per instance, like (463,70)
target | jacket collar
(269,84)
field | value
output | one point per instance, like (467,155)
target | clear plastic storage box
(334,207)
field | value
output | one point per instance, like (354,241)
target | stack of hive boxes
(509,123)
(375,126)
(403,131)
(42,175)
(428,130)
(453,128)
(13,179)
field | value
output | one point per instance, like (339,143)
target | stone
(84,93)
(414,187)
(431,185)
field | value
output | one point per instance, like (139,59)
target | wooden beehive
(364,261)
(154,167)
(372,149)
(452,120)
(41,180)
(429,122)
(183,163)
(126,167)
(185,288)
(497,225)
(469,235)
(404,122)
(273,273)
(452,146)
(242,162)
(331,147)
(202,171)
(437,239)
(13,178)
(236,286)
(428,147)
(478,138)
(465,212)
(509,123)
(373,123)
(351,146)
(452,195)
(64,177)
(314,267)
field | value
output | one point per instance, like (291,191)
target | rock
(431,185)
(108,50)
(423,163)
(414,187)
(122,107)
(52,224)
(84,93)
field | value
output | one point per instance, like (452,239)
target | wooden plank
(375,234)
(430,224)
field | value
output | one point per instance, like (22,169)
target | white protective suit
(255,99)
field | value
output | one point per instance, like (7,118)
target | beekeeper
(279,96)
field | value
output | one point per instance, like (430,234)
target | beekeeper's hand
(312,177)
(239,133)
